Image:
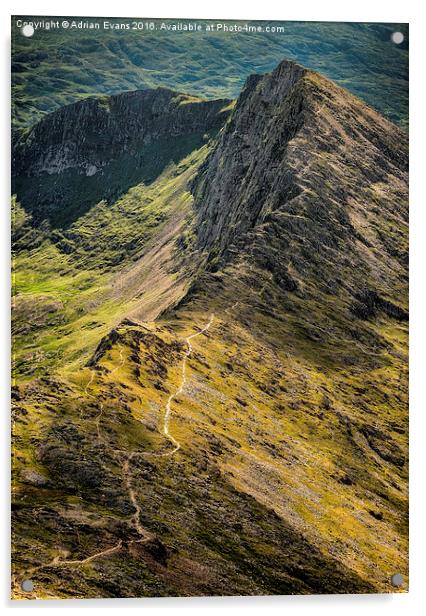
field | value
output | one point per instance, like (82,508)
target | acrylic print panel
(210,307)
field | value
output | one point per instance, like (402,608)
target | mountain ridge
(282,255)
(116,142)
(300,167)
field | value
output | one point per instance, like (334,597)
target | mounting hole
(27,585)
(397,38)
(27,30)
(397,579)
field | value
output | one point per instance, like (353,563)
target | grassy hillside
(282,483)
(210,371)
(85,280)
(65,65)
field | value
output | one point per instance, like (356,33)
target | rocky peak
(276,85)
(268,114)
(296,182)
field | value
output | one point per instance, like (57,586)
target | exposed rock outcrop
(99,147)
(310,184)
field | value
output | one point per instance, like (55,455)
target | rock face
(309,182)
(93,132)
(104,145)
(249,157)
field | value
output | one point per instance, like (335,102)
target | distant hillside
(66,66)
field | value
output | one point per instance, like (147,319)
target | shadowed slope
(98,148)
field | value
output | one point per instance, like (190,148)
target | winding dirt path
(89,382)
(58,562)
(179,390)
(121,364)
(86,389)
(127,475)
(144,535)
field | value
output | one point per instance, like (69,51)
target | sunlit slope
(71,290)
(280,484)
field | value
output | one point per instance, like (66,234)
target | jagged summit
(279,82)
(303,176)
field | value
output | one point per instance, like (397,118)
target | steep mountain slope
(253,438)
(321,203)
(309,256)
(100,147)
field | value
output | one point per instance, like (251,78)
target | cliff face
(242,175)
(304,181)
(89,134)
(102,146)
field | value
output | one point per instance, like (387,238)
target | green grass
(77,269)
(259,485)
